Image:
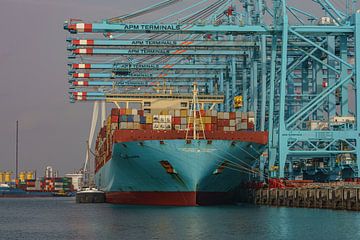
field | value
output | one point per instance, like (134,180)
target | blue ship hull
(173,172)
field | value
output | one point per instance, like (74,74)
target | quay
(345,197)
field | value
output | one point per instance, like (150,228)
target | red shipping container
(203,113)
(114,119)
(250,125)
(141,112)
(103,132)
(220,123)
(176,120)
(225,122)
(122,111)
(232,115)
(213,119)
(214,127)
(115,112)
(208,126)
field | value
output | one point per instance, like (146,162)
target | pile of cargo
(32,185)
(46,185)
(122,118)
(56,184)
(182,119)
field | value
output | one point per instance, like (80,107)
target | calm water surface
(61,218)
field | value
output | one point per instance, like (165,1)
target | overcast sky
(33,78)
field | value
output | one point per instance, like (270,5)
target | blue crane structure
(297,70)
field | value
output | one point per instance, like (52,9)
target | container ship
(169,153)
(7,191)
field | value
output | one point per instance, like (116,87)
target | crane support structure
(163,67)
(165,43)
(297,69)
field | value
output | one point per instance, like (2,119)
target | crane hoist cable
(204,13)
(135,14)
(197,15)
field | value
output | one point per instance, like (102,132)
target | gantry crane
(295,69)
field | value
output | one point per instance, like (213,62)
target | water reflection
(63,219)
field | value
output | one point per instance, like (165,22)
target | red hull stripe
(170,198)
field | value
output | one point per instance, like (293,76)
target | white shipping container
(183,121)
(214,113)
(183,126)
(232,129)
(134,111)
(350,119)
(317,125)
(114,126)
(37,185)
(123,125)
(177,127)
(226,129)
(232,123)
(162,118)
(251,119)
(155,126)
(168,126)
(168,118)
(156,118)
(137,118)
(238,114)
(226,115)
(177,113)
(162,126)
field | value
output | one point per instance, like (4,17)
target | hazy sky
(33,78)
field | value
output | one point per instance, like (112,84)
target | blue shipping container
(130,118)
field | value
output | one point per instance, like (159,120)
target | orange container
(122,111)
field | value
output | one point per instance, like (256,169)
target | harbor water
(62,218)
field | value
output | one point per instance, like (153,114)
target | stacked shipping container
(209,120)
(50,185)
(168,120)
